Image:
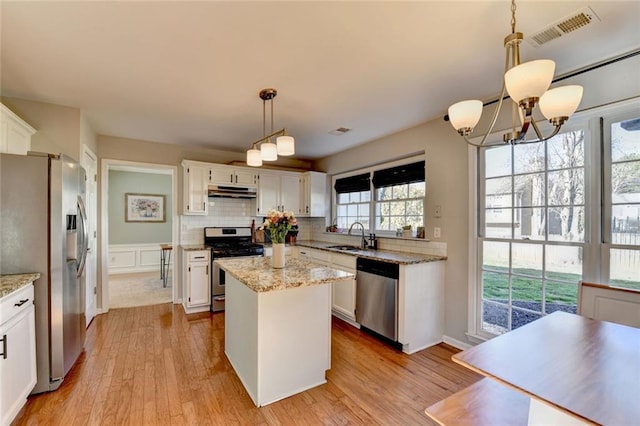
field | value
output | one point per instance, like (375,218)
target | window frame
(372,202)
(595,266)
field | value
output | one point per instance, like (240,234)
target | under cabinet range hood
(222,191)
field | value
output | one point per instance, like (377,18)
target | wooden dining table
(568,365)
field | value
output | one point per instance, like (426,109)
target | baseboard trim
(456,343)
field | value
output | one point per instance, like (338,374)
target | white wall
(447,174)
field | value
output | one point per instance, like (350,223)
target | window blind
(407,173)
(353,183)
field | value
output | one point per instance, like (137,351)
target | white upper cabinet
(221,174)
(313,186)
(278,191)
(194,196)
(15,133)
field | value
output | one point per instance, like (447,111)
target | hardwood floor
(157,365)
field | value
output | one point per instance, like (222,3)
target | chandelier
(269,151)
(527,84)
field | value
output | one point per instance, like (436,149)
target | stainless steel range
(227,242)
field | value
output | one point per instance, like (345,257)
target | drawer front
(313,254)
(344,260)
(199,256)
(16,302)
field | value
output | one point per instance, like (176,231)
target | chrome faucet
(364,241)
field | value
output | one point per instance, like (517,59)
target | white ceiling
(190,72)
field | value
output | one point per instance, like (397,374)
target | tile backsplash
(236,212)
(240,212)
(410,245)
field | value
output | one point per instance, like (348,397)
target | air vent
(339,131)
(564,26)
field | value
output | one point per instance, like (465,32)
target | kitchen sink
(345,248)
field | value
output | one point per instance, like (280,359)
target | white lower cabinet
(420,305)
(343,299)
(17,351)
(197,282)
(343,293)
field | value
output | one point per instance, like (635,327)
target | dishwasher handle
(376,267)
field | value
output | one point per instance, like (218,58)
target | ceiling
(190,72)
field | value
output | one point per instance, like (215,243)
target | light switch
(436,232)
(437,211)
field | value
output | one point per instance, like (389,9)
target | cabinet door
(268,193)
(198,284)
(195,190)
(220,174)
(15,134)
(18,139)
(303,204)
(244,177)
(290,193)
(315,188)
(344,297)
(18,370)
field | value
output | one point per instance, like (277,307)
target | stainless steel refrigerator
(43,229)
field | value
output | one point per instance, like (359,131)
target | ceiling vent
(564,26)
(339,131)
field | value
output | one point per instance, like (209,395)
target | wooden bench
(485,403)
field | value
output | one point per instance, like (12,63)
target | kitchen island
(278,324)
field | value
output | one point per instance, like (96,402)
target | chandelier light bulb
(530,79)
(286,145)
(269,151)
(465,114)
(560,101)
(254,158)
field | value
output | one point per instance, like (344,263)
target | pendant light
(264,149)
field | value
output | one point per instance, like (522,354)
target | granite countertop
(257,273)
(11,283)
(399,257)
(194,247)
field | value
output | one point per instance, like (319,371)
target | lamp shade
(269,151)
(465,114)
(254,158)
(530,79)
(560,101)
(286,145)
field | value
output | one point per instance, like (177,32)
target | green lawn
(495,286)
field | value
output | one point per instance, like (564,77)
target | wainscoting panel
(128,258)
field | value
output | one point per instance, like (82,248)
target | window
(554,213)
(622,174)
(533,230)
(399,194)
(353,200)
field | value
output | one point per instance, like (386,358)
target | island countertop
(257,273)
(13,282)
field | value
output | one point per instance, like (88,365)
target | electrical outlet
(436,232)
(437,211)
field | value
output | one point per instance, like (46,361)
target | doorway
(90,163)
(132,235)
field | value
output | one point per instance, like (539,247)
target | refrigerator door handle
(85,237)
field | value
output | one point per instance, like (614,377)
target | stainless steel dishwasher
(377,297)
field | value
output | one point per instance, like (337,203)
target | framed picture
(144,208)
